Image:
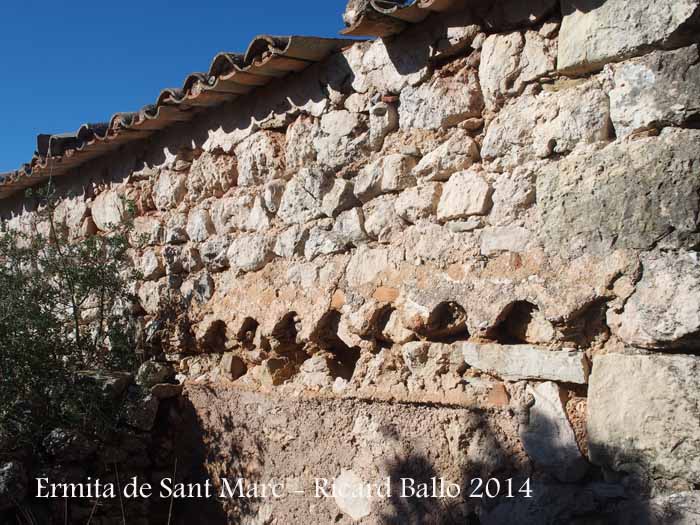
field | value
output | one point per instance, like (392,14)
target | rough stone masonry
(466,250)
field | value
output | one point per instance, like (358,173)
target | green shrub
(64,307)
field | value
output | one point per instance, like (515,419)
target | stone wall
(481,233)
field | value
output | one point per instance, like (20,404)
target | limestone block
(260,158)
(387,66)
(381,219)
(230,214)
(518,362)
(350,226)
(176,229)
(642,412)
(259,218)
(442,102)
(211,175)
(418,202)
(383,119)
(338,198)
(626,195)
(341,138)
(290,241)
(169,190)
(299,147)
(107,210)
(249,253)
(514,193)
(272,195)
(664,310)
(457,153)
(147,230)
(658,89)
(322,242)
(466,193)
(594,33)
(199,225)
(537,126)
(302,198)
(388,174)
(214,252)
(152,372)
(151,266)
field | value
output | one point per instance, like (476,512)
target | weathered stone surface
(199,225)
(260,158)
(383,119)
(509,61)
(259,219)
(107,210)
(151,295)
(151,266)
(211,175)
(169,190)
(381,219)
(230,214)
(200,288)
(341,138)
(537,126)
(152,372)
(466,193)
(656,90)
(442,102)
(338,198)
(249,253)
(664,310)
(13,484)
(214,253)
(302,199)
(548,437)
(626,195)
(498,239)
(176,229)
(147,230)
(272,195)
(350,226)
(594,33)
(643,412)
(518,362)
(289,241)
(457,153)
(299,149)
(351,495)
(322,242)
(514,193)
(389,174)
(418,202)
(387,67)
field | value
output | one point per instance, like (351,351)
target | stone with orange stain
(386,294)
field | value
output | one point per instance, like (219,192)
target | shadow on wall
(569,6)
(212,453)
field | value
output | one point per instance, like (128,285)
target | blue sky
(69,62)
